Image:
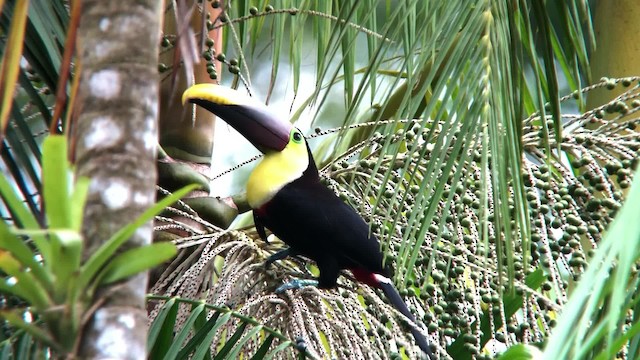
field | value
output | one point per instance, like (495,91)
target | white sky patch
(105,84)
(116,195)
(104,132)
(104,24)
(27,317)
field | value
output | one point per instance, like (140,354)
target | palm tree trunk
(616,30)
(116,137)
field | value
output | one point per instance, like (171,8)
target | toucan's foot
(301,345)
(282,254)
(296,284)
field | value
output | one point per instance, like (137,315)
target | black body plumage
(316,223)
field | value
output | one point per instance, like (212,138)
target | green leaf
(521,352)
(204,346)
(235,352)
(56,175)
(67,251)
(6,351)
(176,345)
(24,255)
(26,286)
(231,342)
(24,131)
(278,349)
(161,331)
(541,15)
(15,319)
(26,172)
(137,260)
(78,201)
(262,350)
(10,65)
(619,343)
(23,351)
(24,177)
(200,322)
(36,99)
(24,217)
(45,39)
(9,287)
(106,251)
(202,332)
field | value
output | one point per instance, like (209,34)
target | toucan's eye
(297,137)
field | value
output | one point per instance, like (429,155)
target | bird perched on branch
(287,197)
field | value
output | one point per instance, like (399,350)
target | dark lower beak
(249,117)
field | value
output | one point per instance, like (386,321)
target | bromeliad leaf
(15,318)
(78,200)
(56,173)
(23,217)
(106,251)
(136,260)
(67,252)
(23,254)
(24,284)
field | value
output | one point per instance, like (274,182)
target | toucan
(287,197)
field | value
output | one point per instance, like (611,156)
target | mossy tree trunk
(116,137)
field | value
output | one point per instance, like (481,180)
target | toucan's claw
(301,345)
(296,284)
(280,255)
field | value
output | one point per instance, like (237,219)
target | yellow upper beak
(251,118)
(215,94)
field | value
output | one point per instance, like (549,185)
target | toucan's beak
(251,118)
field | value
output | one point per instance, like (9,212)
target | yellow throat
(277,169)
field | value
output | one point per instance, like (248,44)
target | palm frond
(211,330)
(44,37)
(461,196)
(489,198)
(456,283)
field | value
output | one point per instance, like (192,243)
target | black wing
(314,221)
(258,222)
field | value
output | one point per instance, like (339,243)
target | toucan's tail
(392,294)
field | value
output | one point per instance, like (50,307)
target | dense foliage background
(459,129)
